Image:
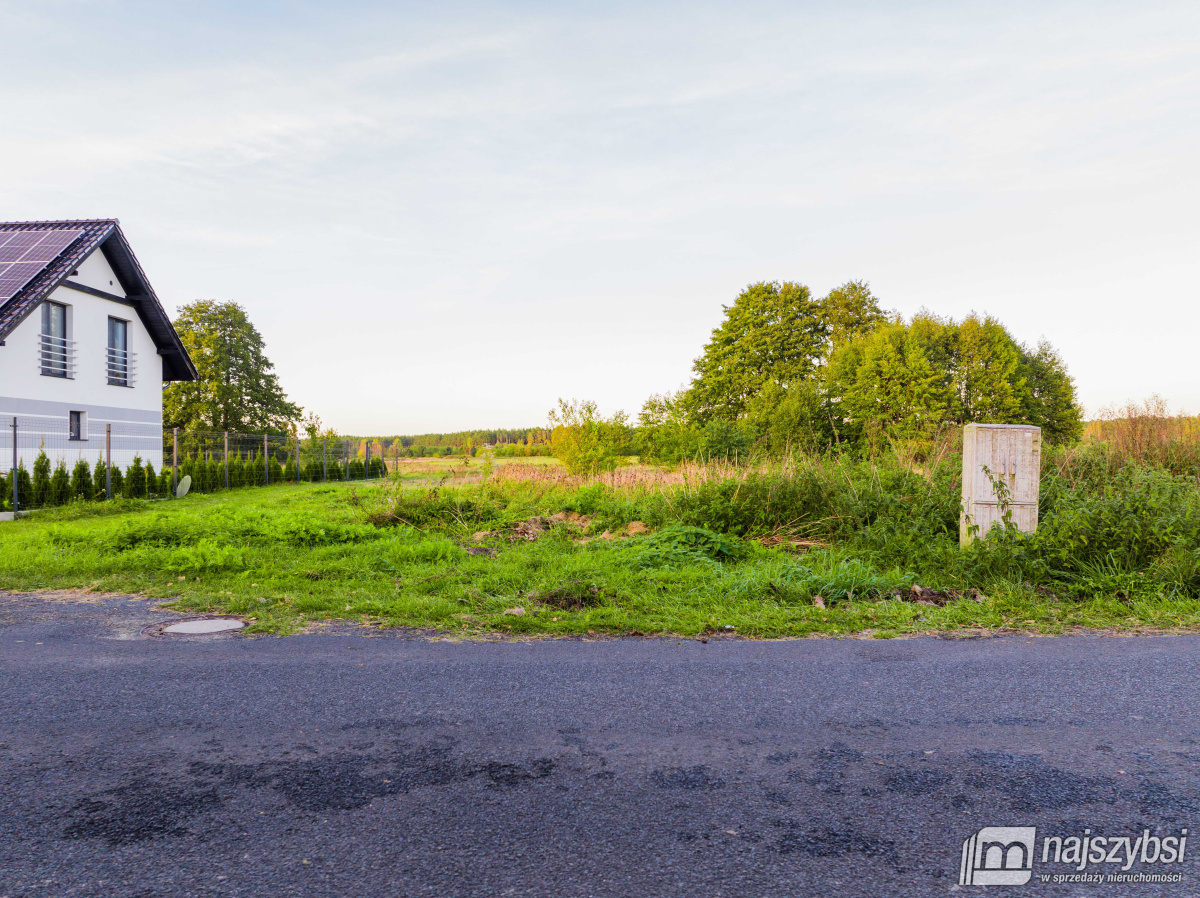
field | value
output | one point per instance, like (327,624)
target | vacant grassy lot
(823,546)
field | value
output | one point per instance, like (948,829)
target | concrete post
(266,464)
(174,460)
(325,459)
(1012,457)
(227,459)
(297,456)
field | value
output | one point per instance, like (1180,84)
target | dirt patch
(922,596)
(525,530)
(575,595)
(572,518)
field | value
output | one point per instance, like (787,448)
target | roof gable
(105,235)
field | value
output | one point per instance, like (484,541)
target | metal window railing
(122,367)
(56,356)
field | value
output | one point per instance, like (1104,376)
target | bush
(188,469)
(40,494)
(82,487)
(98,482)
(253,472)
(135,480)
(679,545)
(24,486)
(585,442)
(60,485)
(118,481)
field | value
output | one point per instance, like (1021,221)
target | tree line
(785,372)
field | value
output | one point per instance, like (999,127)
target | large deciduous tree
(904,382)
(236,387)
(773,333)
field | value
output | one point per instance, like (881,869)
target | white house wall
(43,404)
(94,271)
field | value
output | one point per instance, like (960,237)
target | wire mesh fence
(47,462)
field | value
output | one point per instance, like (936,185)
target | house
(84,344)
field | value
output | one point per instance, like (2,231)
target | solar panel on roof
(50,246)
(27,253)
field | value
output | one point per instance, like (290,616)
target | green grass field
(397,555)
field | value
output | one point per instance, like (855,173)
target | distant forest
(507,442)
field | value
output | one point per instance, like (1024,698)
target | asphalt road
(365,765)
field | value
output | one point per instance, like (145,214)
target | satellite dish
(184,486)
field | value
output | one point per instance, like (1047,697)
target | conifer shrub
(165,486)
(254,470)
(82,488)
(118,481)
(60,485)
(5,493)
(357,470)
(40,494)
(135,480)
(237,472)
(151,481)
(24,485)
(98,478)
(276,471)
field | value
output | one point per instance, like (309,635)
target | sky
(445,216)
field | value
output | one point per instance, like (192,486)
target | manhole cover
(198,627)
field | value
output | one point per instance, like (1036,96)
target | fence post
(324,459)
(174,460)
(15,478)
(107,461)
(227,459)
(266,464)
(346,458)
(367,463)
(297,456)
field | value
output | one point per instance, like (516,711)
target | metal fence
(46,462)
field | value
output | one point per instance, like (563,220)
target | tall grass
(1144,433)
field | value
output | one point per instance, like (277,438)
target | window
(78,425)
(54,350)
(118,352)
